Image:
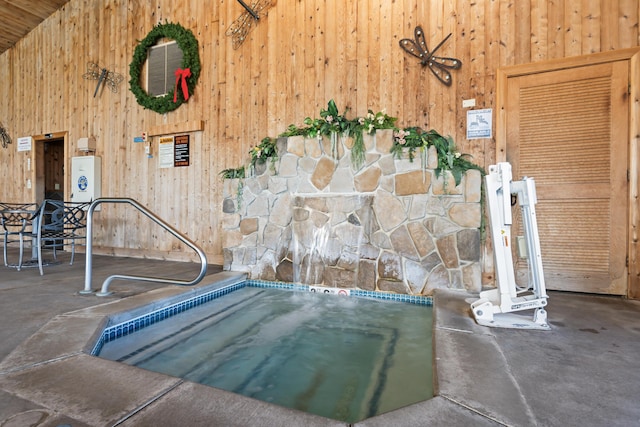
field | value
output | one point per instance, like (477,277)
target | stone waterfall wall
(390,225)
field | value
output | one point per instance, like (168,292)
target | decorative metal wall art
(239,28)
(111,79)
(439,66)
(5,139)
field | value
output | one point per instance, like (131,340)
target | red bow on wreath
(182,75)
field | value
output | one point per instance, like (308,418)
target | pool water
(345,358)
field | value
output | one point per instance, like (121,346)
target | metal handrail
(105,285)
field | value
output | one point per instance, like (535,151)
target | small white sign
(165,151)
(332,291)
(468,103)
(24,143)
(479,123)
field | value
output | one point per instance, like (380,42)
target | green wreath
(190,59)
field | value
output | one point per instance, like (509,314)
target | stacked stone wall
(389,225)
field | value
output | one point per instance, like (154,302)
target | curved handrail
(105,285)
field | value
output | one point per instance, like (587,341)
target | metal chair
(60,223)
(18,224)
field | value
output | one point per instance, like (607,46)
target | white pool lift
(496,307)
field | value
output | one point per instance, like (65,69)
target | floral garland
(239,174)
(332,124)
(413,139)
(190,60)
(368,124)
(267,149)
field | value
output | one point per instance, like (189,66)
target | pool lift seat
(496,307)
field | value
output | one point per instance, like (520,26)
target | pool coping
(53,369)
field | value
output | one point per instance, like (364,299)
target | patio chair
(61,223)
(17,222)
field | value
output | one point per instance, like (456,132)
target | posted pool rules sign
(181,150)
(174,151)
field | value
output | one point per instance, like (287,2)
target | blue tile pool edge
(122,329)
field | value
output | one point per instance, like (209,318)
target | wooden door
(569,130)
(54,169)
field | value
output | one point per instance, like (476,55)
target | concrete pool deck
(585,371)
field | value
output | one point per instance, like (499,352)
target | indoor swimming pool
(341,357)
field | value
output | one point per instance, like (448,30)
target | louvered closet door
(568,130)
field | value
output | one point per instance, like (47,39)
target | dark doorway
(50,170)
(50,161)
(54,169)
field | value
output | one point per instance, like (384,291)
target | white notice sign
(479,123)
(24,143)
(165,152)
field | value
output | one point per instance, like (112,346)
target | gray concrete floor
(584,372)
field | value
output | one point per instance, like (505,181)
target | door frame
(38,161)
(632,55)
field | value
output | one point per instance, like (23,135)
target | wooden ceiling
(19,17)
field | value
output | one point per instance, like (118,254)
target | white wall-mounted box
(86,178)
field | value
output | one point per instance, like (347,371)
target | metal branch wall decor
(239,28)
(439,66)
(4,136)
(111,79)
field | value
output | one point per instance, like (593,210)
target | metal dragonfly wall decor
(239,28)
(439,66)
(4,136)
(111,79)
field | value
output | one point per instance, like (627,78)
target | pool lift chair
(496,307)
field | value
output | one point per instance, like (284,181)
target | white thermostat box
(86,178)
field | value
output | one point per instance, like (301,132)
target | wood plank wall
(294,61)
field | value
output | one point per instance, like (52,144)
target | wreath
(190,60)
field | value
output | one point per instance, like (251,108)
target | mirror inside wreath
(168,58)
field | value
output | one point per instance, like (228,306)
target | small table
(20,219)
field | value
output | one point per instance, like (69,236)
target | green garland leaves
(190,59)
